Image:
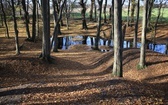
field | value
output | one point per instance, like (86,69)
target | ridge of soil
(80,77)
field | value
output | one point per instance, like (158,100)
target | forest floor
(79,76)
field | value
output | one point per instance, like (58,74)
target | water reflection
(65,42)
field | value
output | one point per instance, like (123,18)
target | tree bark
(150,6)
(136,26)
(58,18)
(105,6)
(129,2)
(132,10)
(157,19)
(117,65)
(91,10)
(100,2)
(4,15)
(143,37)
(26,16)
(83,12)
(95,11)
(34,21)
(46,30)
(16,30)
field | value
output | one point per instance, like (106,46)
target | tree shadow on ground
(129,90)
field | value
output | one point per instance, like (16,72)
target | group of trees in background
(61,7)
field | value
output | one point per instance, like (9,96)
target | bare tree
(15,28)
(136,25)
(132,10)
(58,18)
(117,65)
(91,10)
(46,30)
(105,6)
(26,16)
(83,12)
(143,37)
(128,13)
(100,2)
(34,21)
(4,16)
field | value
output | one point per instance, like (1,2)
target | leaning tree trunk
(156,22)
(99,25)
(26,16)
(105,6)
(4,14)
(15,28)
(143,37)
(117,65)
(46,30)
(57,26)
(34,21)
(136,25)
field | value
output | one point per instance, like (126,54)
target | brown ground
(80,77)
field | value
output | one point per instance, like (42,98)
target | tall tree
(143,37)
(4,15)
(34,21)
(105,6)
(132,10)
(83,12)
(15,28)
(26,16)
(46,30)
(128,13)
(136,25)
(58,18)
(91,10)
(100,2)
(156,22)
(150,7)
(117,65)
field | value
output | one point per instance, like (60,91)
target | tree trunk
(132,10)
(143,37)
(83,12)
(150,6)
(117,66)
(37,19)
(67,10)
(105,6)
(15,28)
(58,18)
(46,30)
(34,21)
(157,19)
(91,10)
(112,20)
(4,15)
(1,20)
(136,26)
(99,25)
(95,12)
(26,19)
(129,2)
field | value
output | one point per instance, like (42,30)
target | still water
(65,42)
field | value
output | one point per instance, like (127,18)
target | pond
(65,42)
